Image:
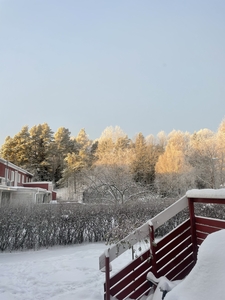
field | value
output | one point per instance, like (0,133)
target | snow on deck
(206,280)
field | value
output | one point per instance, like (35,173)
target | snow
(206,193)
(58,273)
(72,272)
(206,280)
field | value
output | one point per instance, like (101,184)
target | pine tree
(63,145)
(17,149)
(42,152)
(143,161)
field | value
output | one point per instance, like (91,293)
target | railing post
(107,270)
(152,249)
(193,228)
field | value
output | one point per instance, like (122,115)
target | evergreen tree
(77,162)
(143,161)
(42,152)
(63,145)
(8,150)
(17,149)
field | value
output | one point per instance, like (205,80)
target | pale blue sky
(143,65)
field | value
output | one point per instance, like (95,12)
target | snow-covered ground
(59,273)
(71,273)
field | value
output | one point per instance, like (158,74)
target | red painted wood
(146,267)
(175,252)
(210,222)
(176,261)
(2,169)
(208,200)
(173,234)
(178,269)
(193,228)
(206,229)
(41,185)
(125,271)
(179,239)
(141,291)
(184,273)
(107,284)
(54,195)
(134,285)
(199,241)
(201,235)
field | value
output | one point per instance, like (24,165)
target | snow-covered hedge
(32,227)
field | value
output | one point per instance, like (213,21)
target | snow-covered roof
(206,193)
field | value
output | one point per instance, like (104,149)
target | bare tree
(113,184)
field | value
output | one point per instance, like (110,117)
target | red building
(16,185)
(12,175)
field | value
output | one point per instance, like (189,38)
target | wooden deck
(173,256)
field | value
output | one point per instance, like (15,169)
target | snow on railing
(142,232)
(206,193)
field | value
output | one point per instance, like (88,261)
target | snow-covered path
(59,273)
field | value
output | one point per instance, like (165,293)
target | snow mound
(206,280)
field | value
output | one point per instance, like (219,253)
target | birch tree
(174,173)
(219,160)
(203,156)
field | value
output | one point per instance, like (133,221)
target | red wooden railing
(173,256)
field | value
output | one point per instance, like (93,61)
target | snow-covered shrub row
(32,227)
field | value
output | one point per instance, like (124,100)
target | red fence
(171,260)
(173,256)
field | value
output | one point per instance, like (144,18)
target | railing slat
(129,282)
(176,261)
(179,268)
(135,284)
(129,268)
(170,255)
(174,233)
(206,229)
(140,291)
(210,222)
(185,272)
(175,242)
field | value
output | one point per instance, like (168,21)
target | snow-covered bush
(35,226)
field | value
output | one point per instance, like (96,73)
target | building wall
(43,185)
(15,175)
(23,197)
(2,170)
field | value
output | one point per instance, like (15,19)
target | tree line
(117,169)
